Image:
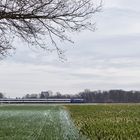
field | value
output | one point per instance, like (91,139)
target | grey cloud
(108,58)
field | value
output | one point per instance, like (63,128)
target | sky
(108,58)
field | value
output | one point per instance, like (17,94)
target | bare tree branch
(32,19)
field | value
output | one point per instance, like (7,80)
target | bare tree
(37,20)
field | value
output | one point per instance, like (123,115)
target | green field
(107,122)
(32,122)
(70,122)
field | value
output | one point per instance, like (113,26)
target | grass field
(36,123)
(70,122)
(107,122)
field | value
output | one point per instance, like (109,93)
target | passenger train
(35,101)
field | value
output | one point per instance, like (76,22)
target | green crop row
(36,122)
(107,122)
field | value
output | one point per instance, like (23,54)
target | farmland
(70,122)
(107,122)
(32,122)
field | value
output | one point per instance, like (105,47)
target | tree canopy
(36,20)
(1,95)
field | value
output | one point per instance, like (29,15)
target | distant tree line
(111,96)
(47,94)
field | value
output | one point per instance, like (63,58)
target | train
(39,101)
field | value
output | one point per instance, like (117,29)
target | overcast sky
(108,58)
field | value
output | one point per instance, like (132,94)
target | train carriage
(35,101)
